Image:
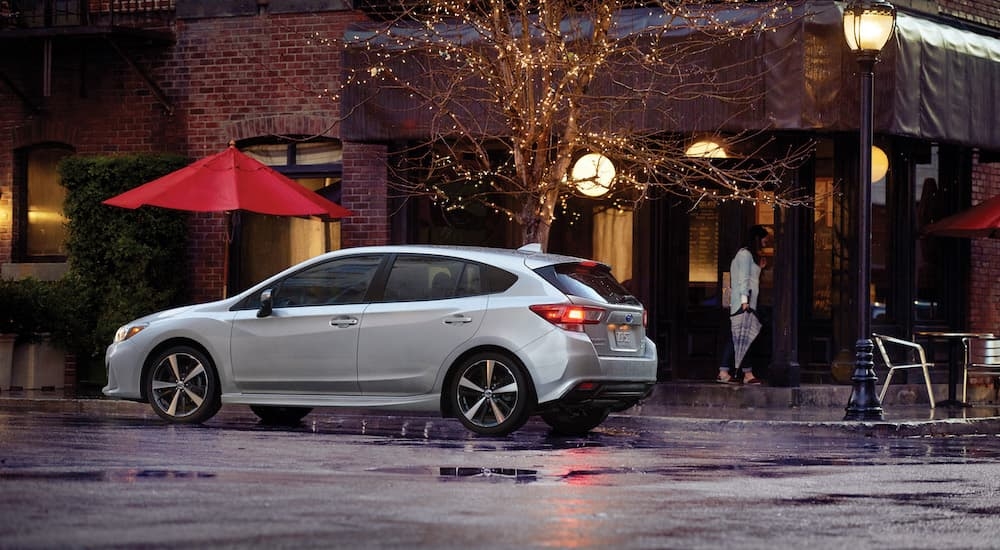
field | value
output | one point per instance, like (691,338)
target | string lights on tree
(499,100)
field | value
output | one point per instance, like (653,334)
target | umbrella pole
(225,256)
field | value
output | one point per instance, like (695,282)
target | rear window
(586,280)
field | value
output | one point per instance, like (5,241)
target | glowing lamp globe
(593,174)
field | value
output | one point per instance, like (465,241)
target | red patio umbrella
(226,182)
(230,181)
(982,220)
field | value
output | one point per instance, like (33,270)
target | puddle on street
(126,475)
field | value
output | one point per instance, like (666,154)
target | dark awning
(946,84)
(934,82)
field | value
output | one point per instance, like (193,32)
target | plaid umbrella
(746,326)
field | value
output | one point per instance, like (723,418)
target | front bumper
(124,377)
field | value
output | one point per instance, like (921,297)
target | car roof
(529,255)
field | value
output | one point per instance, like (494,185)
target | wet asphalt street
(356,480)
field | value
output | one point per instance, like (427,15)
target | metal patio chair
(881,341)
(982,358)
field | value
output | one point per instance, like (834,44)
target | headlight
(128,331)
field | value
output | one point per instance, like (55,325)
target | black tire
(574,421)
(182,386)
(280,416)
(489,394)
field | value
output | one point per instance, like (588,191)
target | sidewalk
(691,405)
(812,408)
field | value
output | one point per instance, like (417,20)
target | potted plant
(12,311)
(30,315)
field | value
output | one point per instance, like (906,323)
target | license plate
(624,337)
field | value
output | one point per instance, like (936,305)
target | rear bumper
(611,395)
(565,369)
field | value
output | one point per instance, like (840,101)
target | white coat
(744,276)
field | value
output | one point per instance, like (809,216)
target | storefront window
(826,242)
(269,244)
(882,228)
(931,205)
(703,256)
(613,241)
(764,215)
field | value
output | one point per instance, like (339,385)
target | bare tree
(498,100)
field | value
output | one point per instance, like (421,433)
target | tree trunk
(536,232)
(536,218)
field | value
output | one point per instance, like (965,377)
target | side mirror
(266,304)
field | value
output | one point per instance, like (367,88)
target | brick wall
(980,12)
(242,77)
(224,78)
(227,71)
(95,111)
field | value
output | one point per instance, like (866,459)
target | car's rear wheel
(574,421)
(182,386)
(489,394)
(280,416)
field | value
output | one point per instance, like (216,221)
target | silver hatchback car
(488,336)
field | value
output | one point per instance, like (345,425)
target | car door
(431,306)
(308,343)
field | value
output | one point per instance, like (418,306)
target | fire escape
(31,28)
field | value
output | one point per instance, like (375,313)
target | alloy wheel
(182,387)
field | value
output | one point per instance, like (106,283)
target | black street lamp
(867,27)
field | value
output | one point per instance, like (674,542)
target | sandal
(754,382)
(726,380)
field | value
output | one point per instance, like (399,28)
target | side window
(337,282)
(415,278)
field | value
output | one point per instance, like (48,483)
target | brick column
(984,293)
(365,192)
(207,255)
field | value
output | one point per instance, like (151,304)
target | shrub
(122,263)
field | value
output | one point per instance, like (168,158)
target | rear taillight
(568,316)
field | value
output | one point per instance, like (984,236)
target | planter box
(38,366)
(6,360)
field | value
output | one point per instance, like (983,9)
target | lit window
(42,233)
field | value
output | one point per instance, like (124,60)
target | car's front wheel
(280,416)
(182,386)
(490,395)
(574,421)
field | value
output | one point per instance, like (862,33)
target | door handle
(458,320)
(343,322)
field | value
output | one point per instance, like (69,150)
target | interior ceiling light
(706,148)
(880,164)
